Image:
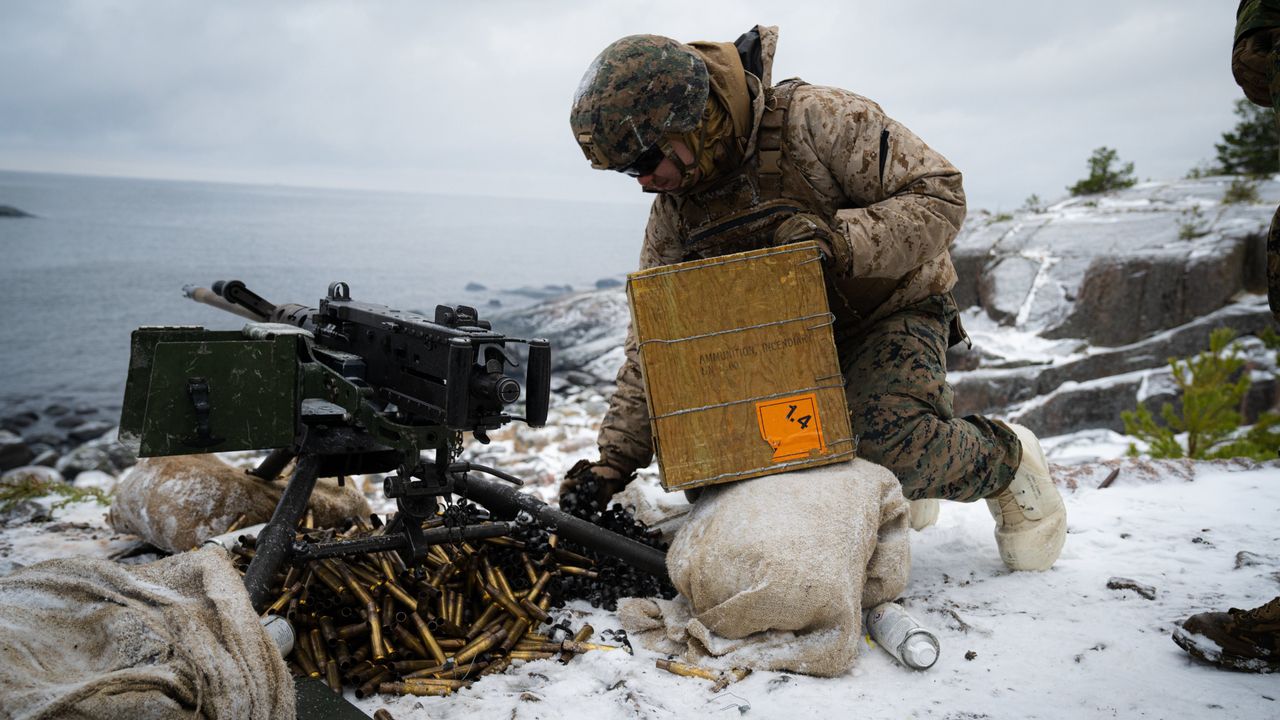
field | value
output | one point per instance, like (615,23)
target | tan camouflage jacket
(898,211)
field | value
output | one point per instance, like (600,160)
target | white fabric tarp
(89,638)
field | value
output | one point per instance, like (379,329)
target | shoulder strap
(769,141)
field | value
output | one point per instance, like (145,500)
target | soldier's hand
(806,226)
(588,487)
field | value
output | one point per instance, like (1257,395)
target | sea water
(106,255)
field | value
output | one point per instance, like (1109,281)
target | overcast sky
(474,97)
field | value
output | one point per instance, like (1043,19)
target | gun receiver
(344,388)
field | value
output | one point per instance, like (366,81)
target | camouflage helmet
(636,92)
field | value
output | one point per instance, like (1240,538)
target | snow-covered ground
(1058,644)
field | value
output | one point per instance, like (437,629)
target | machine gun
(350,388)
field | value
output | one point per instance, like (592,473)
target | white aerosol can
(909,642)
(280,632)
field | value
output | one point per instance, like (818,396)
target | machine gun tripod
(350,388)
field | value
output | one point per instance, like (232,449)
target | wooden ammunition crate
(740,366)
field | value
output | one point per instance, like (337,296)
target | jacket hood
(740,71)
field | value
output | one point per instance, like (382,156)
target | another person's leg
(1246,640)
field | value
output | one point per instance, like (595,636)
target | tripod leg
(270,467)
(275,539)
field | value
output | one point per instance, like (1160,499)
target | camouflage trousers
(1255,63)
(901,412)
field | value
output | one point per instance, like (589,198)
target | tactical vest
(741,212)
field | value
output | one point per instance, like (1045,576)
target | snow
(1058,644)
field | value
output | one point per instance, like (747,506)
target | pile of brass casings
(372,623)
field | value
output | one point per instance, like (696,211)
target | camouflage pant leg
(900,409)
(1273,237)
(1273,265)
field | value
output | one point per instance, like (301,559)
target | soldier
(1255,64)
(737,164)
(1248,640)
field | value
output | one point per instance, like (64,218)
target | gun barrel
(208,297)
(504,499)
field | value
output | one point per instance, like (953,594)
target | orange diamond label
(791,427)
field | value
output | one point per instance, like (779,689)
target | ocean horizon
(105,255)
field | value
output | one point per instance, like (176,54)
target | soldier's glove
(588,487)
(806,226)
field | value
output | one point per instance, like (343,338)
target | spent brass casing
(401,596)
(479,645)
(404,667)
(529,655)
(382,714)
(394,688)
(529,569)
(317,648)
(571,570)
(330,580)
(428,638)
(332,677)
(533,611)
(730,677)
(439,682)
(427,672)
(354,630)
(327,631)
(406,639)
(514,633)
(583,634)
(458,609)
(507,603)
(235,524)
(375,631)
(283,600)
(581,647)
(539,584)
(342,653)
(485,618)
(305,661)
(687,670)
(572,558)
(371,684)
(388,613)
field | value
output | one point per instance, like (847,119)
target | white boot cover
(1031,522)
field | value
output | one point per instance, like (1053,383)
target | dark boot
(1246,640)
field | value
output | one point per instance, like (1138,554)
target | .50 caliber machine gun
(350,388)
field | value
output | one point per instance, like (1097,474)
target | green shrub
(1102,176)
(1193,224)
(1253,146)
(30,487)
(1212,385)
(1242,191)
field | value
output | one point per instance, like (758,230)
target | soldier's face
(666,176)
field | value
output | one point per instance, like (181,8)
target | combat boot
(1031,521)
(924,512)
(1245,640)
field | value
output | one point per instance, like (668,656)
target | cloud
(474,98)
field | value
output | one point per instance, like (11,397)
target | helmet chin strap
(688,171)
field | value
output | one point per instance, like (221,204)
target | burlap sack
(177,502)
(89,638)
(773,573)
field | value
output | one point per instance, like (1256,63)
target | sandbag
(89,638)
(177,502)
(773,573)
